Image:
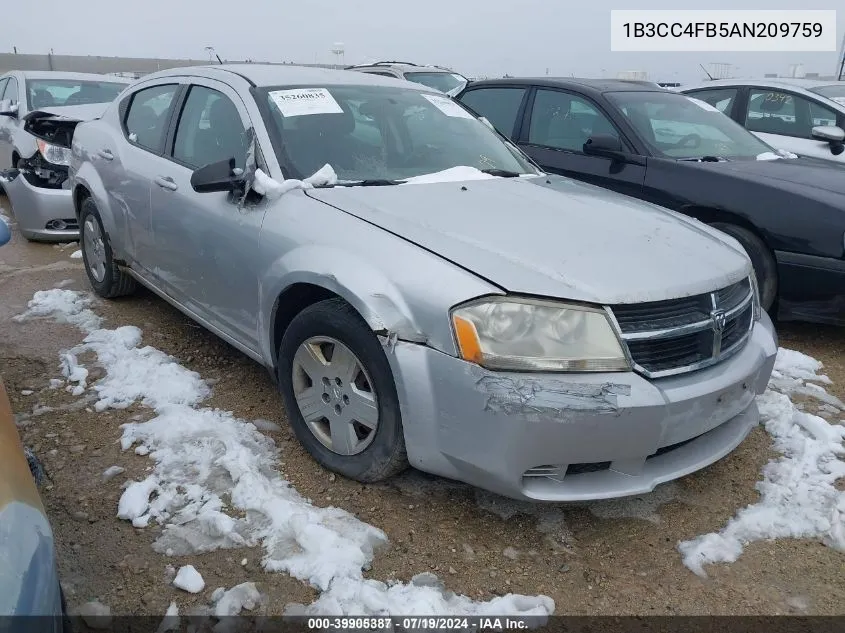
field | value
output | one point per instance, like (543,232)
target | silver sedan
(420,291)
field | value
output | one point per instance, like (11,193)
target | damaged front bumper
(41,202)
(574,437)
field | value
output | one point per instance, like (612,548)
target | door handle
(166,182)
(105,154)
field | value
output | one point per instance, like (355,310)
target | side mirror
(606,146)
(219,176)
(7,108)
(828,133)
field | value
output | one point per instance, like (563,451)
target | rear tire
(106,277)
(764,264)
(330,331)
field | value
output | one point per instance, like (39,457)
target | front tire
(339,393)
(106,277)
(761,259)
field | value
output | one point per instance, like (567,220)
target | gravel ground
(607,558)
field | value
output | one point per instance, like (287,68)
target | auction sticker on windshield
(304,101)
(447,106)
(704,105)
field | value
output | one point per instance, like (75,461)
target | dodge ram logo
(719,318)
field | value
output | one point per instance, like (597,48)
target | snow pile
(798,494)
(209,463)
(189,579)
(66,306)
(76,255)
(273,189)
(453,174)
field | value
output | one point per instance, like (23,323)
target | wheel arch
(313,273)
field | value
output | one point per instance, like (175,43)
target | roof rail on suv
(381,64)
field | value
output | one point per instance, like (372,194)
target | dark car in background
(686,155)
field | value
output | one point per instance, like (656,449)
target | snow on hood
(553,237)
(453,174)
(776,155)
(86,112)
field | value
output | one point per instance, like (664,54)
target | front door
(785,120)
(205,245)
(557,126)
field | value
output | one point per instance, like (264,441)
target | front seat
(224,138)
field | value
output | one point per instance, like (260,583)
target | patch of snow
(189,579)
(217,594)
(272,189)
(208,462)
(65,306)
(233,601)
(27,392)
(112,471)
(798,495)
(63,283)
(171,619)
(76,255)
(55,383)
(95,614)
(453,174)
(266,425)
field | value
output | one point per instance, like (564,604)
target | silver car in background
(33,171)
(420,291)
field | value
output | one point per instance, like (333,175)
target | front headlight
(533,335)
(54,154)
(758,309)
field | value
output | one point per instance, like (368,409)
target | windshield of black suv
(371,133)
(52,93)
(677,126)
(833,91)
(444,82)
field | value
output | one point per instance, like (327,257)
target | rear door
(556,125)
(205,244)
(127,162)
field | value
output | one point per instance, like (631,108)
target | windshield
(52,93)
(381,133)
(444,82)
(676,126)
(833,91)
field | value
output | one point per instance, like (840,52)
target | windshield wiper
(706,159)
(502,173)
(370,182)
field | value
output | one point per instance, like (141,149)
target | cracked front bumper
(35,208)
(572,437)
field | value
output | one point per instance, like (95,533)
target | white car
(803,116)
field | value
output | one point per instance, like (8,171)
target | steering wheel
(695,139)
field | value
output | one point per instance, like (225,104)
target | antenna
(709,76)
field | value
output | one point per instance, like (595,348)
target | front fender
(376,298)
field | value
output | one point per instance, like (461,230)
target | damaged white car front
(37,184)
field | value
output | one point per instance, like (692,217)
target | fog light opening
(57,225)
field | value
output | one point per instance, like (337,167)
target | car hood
(813,174)
(553,237)
(85,112)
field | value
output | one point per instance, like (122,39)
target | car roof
(57,74)
(405,67)
(784,82)
(264,75)
(596,86)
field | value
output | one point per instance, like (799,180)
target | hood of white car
(553,237)
(85,112)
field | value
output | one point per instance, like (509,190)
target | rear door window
(148,116)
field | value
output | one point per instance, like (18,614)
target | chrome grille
(665,338)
